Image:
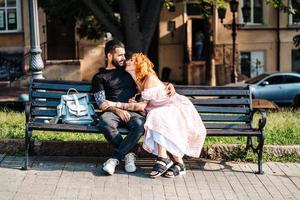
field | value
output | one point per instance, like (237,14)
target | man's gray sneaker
(130,163)
(110,165)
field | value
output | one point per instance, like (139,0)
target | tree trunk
(133,37)
(137,26)
(149,20)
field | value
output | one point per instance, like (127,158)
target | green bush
(282,127)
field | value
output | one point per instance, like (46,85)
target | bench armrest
(263,120)
(27,112)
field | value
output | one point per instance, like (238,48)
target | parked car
(281,88)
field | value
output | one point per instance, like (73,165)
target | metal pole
(234,72)
(36,61)
(278,40)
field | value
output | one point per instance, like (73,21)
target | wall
(262,37)
(172,48)
(91,55)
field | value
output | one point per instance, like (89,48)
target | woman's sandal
(160,167)
(175,170)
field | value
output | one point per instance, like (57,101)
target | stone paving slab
(81,178)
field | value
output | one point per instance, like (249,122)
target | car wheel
(296,102)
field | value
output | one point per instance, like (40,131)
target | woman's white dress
(172,122)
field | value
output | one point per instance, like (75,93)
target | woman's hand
(170,89)
(132,100)
(135,99)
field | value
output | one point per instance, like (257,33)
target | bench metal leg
(27,146)
(249,143)
(260,153)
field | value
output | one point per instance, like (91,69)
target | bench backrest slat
(52,104)
(215,101)
(80,87)
(219,107)
(51,95)
(228,110)
(215,91)
(225,118)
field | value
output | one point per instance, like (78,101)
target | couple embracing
(169,122)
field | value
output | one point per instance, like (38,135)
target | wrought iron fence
(11,66)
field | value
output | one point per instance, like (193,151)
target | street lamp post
(233,26)
(36,61)
(233,7)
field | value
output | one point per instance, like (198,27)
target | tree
(131,21)
(134,25)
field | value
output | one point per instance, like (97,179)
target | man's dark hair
(111,45)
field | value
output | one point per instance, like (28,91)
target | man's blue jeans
(109,123)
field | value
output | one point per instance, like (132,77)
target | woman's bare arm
(132,106)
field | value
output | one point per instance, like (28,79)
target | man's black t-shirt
(114,85)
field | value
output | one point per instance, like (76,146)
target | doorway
(60,40)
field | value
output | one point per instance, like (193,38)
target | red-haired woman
(172,124)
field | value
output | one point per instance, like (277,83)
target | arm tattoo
(99,97)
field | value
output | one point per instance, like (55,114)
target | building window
(10,16)
(294,19)
(252,63)
(256,6)
(295,60)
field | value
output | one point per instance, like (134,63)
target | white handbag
(75,109)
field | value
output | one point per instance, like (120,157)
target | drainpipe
(36,61)
(278,40)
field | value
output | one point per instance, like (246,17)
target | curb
(103,149)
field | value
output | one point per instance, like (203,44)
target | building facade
(265,44)
(192,48)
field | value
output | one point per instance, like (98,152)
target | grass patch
(12,126)
(282,128)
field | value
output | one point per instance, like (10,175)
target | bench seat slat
(66,127)
(233,110)
(217,101)
(207,125)
(232,132)
(226,126)
(62,87)
(95,129)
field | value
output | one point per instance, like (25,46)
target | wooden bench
(226,111)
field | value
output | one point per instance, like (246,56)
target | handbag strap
(76,103)
(72,89)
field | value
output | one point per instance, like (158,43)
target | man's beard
(116,63)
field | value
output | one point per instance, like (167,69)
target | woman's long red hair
(144,66)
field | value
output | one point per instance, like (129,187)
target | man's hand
(123,114)
(170,89)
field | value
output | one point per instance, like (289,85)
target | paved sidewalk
(81,178)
